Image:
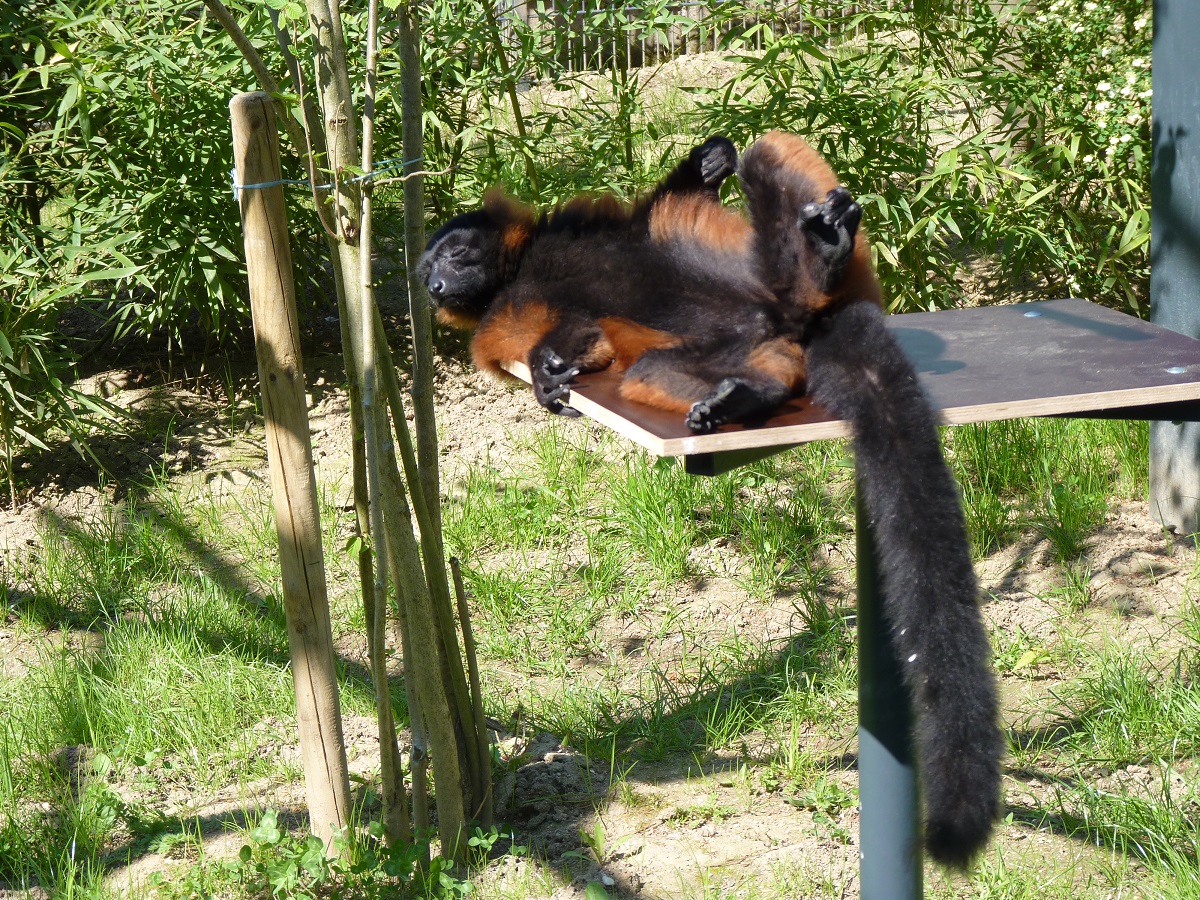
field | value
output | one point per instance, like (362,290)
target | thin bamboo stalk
(422,469)
(395,806)
(484,812)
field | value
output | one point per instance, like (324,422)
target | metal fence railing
(591,35)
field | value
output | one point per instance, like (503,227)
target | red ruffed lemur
(721,318)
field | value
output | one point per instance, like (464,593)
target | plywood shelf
(1056,357)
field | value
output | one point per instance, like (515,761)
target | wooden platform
(1057,357)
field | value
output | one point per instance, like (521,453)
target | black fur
(858,371)
(594,260)
(802,278)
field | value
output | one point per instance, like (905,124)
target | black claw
(551,363)
(705,415)
(552,376)
(699,418)
(831,227)
(811,212)
(836,203)
(554,381)
(554,393)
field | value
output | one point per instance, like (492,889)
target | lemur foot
(551,382)
(714,160)
(831,227)
(729,399)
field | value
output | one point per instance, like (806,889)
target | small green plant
(290,866)
(1076,588)
(826,800)
(285,866)
(594,843)
(1017,653)
(1129,709)
(653,512)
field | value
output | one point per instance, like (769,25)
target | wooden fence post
(1175,248)
(289,455)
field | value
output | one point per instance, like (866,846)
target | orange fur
(516,221)
(515,236)
(456,318)
(599,356)
(694,218)
(790,151)
(629,341)
(653,395)
(861,282)
(781,359)
(510,333)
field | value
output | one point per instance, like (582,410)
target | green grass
(1056,475)
(162,651)
(159,656)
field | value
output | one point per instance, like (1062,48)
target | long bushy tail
(858,371)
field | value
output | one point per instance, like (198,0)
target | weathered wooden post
(1175,248)
(289,456)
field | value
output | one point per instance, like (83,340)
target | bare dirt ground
(679,828)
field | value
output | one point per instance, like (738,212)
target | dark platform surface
(1057,357)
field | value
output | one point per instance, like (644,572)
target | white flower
(1126,138)
(1105,51)
(1089,158)
(1114,139)
(1140,23)
(1147,94)
(1127,91)
(1104,86)
(1090,7)
(1102,105)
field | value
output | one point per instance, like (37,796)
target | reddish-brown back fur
(694,218)
(516,222)
(655,395)
(794,154)
(456,318)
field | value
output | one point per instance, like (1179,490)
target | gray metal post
(1175,246)
(889,830)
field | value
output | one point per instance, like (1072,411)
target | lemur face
(461,268)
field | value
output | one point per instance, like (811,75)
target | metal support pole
(1175,247)
(889,830)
